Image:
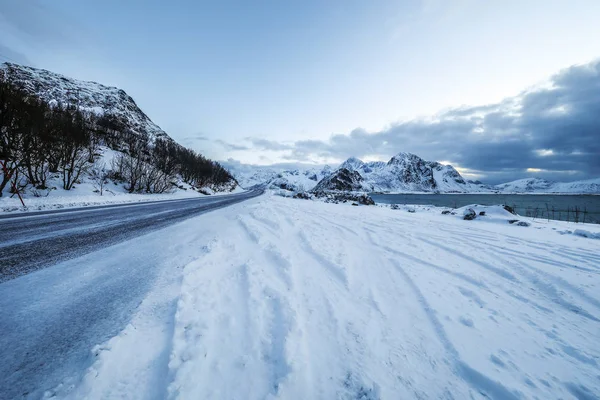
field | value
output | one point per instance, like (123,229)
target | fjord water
(581,208)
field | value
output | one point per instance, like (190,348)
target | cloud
(264,144)
(551,132)
(230,146)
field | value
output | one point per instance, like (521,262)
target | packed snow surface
(295,299)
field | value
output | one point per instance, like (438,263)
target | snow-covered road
(38,239)
(293,299)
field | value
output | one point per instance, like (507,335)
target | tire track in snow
(284,320)
(552,293)
(275,351)
(474,378)
(347,337)
(414,259)
(272,257)
(213,326)
(529,256)
(583,257)
(550,247)
(335,271)
(537,257)
(498,271)
(546,287)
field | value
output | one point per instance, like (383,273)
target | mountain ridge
(94,97)
(403,173)
(57,127)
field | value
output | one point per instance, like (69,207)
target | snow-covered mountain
(120,129)
(403,173)
(287,177)
(55,88)
(343,180)
(406,172)
(537,185)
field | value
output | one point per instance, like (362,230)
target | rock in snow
(469,214)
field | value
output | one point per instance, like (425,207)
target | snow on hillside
(404,173)
(294,299)
(289,177)
(87,193)
(54,88)
(537,185)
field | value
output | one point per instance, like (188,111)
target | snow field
(295,299)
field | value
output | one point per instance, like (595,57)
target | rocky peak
(56,89)
(343,179)
(352,164)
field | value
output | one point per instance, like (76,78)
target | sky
(501,89)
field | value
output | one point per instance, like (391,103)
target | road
(36,240)
(79,297)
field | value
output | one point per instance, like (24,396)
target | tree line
(39,140)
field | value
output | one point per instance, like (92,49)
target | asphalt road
(36,240)
(51,319)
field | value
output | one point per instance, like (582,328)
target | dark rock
(445,212)
(341,180)
(355,204)
(523,223)
(469,214)
(334,196)
(482,213)
(395,207)
(302,195)
(510,209)
(366,200)
(512,221)
(411,210)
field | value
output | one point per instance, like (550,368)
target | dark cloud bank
(553,131)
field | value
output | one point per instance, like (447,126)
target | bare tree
(99,176)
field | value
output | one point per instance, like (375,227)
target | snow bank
(83,195)
(86,193)
(295,299)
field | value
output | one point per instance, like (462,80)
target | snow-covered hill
(55,88)
(115,119)
(536,185)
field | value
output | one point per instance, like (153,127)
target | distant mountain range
(403,173)
(536,185)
